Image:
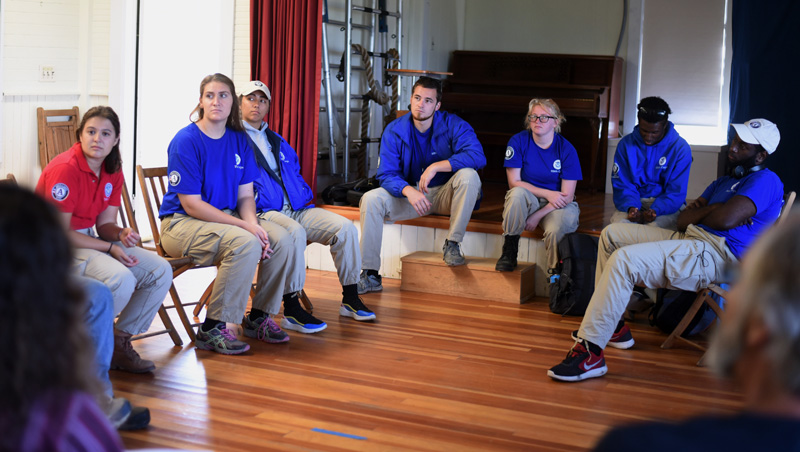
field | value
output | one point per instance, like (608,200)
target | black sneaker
(579,364)
(298,319)
(621,339)
(356,309)
(139,419)
(452,254)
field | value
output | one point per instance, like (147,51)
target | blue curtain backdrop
(765,75)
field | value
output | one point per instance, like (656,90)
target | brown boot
(125,357)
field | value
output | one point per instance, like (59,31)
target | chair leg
(170,327)
(305,301)
(203,299)
(176,299)
(687,318)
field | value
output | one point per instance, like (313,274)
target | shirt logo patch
(509,153)
(283,159)
(238,160)
(174,178)
(107,190)
(733,187)
(557,165)
(60,191)
(614,170)
(662,161)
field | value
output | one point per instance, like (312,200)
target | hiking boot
(139,419)
(126,358)
(621,339)
(452,254)
(356,309)
(219,339)
(508,260)
(116,409)
(296,318)
(369,283)
(264,329)
(579,364)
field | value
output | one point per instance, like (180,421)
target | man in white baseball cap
(759,131)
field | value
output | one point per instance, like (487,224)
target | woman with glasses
(542,169)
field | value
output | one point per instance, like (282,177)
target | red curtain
(286,51)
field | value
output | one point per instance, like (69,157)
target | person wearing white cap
(284,199)
(713,231)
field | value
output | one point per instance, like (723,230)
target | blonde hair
(550,106)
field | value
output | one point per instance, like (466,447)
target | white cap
(759,131)
(254,86)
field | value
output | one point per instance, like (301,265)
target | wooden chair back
(10,179)
(788,201)
(55,136)
(154,185)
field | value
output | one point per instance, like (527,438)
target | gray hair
(769,292)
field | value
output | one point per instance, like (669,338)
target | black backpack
(672,304)
(572,285)
(348,194)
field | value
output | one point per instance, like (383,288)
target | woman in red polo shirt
(85,183)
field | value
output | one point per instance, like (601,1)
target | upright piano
(491,91)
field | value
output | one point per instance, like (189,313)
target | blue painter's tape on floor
(331,432)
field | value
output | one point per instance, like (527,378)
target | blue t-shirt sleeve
(184,166)
(251,171)
(513,158)
(570,164)
(708,193)
(625,193)
(761,190)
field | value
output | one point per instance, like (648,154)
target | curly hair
(37,291)
(233,121)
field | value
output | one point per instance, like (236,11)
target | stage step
(426,272)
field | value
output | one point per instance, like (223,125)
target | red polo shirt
(72,186)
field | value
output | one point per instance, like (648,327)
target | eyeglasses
(542,119)
(645,111)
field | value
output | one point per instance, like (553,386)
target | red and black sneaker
(621,339)
(579,364)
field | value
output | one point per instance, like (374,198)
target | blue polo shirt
(764,188)
(212,168)
(543,168)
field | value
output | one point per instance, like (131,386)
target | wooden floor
(433,373)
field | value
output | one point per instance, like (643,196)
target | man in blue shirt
(651,169)
(284,199)
(428,162)
(715,230)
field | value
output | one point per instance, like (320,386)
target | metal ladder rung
(365,9)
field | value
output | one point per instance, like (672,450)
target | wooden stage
(435,373)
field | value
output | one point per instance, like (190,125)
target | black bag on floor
(344,194)
(572,285)
(672,304)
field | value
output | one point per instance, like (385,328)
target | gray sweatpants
(456,198)
(521,203)
(635,255)
(313,225)
(662,221)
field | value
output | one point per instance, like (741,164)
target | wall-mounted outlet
(47,74)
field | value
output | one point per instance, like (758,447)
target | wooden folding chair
(55,137)
(705,295)
(153,182)
(128,220)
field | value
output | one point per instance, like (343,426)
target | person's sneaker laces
(221,340)
(264,329)
(369,283)
(579,364)
(621,339)
(356,309)
(300,320)
(452,254)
